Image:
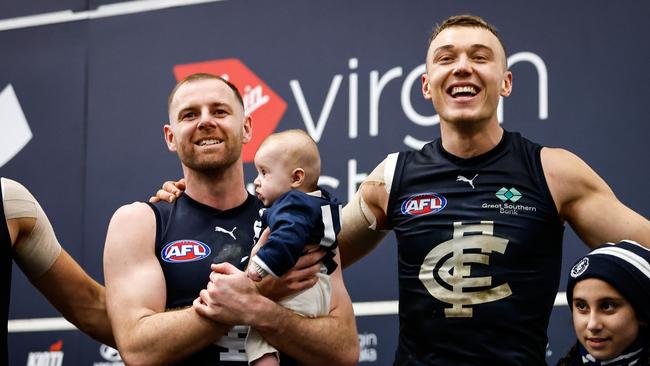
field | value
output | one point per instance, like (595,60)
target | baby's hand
(252,273)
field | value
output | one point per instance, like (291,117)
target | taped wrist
(34,252)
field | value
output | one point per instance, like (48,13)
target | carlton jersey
(190,237)
(5,280)
(480,245)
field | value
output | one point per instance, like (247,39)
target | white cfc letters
(455,270)
(233,341)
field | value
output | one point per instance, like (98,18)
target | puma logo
(222,230)
(460,178)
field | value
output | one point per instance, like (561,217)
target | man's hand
(301,277)
(169,192)
(230,297)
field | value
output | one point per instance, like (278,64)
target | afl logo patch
(184,251)
(424,204)
(580,267)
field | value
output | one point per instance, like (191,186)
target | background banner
(91,79)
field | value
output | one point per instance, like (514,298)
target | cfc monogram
(455,270)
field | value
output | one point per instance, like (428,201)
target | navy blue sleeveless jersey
(480,245)
(5,279)
(189,237)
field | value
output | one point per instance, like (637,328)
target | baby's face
(273,174)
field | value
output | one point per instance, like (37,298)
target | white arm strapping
(357,213)
(35,252)
(381,175)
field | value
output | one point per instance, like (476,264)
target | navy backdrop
(93,91)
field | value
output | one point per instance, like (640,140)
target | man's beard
(211,163)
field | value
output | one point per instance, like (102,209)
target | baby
(297,213)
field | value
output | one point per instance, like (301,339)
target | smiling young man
(478,215)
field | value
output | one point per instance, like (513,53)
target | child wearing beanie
(609,295)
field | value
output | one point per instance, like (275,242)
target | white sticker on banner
(52,357)
(110,355)
(368,347)
(14,129)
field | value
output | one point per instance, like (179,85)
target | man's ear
(506,84)
(297,177)
(247,129)
(426,88)
(169,138)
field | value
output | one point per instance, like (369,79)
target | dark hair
(204,76)
(571,355)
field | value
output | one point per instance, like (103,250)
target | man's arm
(78,297)
(588,204)
(365,216)
(233,298)
(325,340)
(136,296)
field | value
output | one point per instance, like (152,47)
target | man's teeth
(463,89)
(209,142)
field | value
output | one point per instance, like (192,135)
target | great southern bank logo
(507,205)
(424,204)
(260,101)
(511,194)
(184,251)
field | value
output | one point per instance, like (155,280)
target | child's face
(273,174)
(604,321)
